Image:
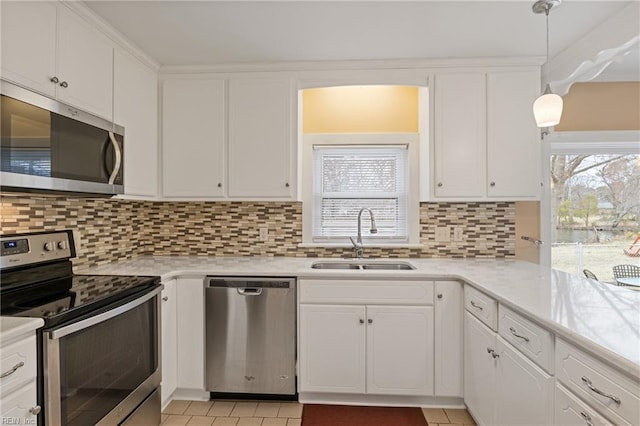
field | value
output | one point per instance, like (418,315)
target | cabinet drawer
(18,360)
(379,292)
(532,340)
(16,406)
(571,411)
(481,306)
(615,396)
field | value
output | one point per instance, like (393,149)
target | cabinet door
(16,407)
(260,138)
(570,410)
(193,135)
(29,44)
(169,341)
(448,339)
(400,350)
(479,370)
(513,140)
(135,97)
(460,135)
(524,393)
(85,64)
(332,348)
(190,331)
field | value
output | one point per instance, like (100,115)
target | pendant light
(547,109)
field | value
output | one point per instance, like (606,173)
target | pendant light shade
(547,109)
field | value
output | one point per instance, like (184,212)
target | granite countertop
(604,319)
(13,327)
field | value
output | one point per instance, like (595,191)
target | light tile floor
(267,413)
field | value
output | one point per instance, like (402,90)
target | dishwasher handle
(249,291)
(251,282)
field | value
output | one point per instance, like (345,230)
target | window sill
(372,245)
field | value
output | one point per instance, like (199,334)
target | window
(349,178)
(594,205)
(343,173)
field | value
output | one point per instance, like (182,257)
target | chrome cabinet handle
(286,184)
(513,331)
(165,298)
(493,353)
(439,296)
(476,306)
(439,184)
(35,410)
(599,392)
(64,84)
(54,80)
(219,185)
(116,167)
(13,370)
(587,418)
(492,184)
(361,321)
(370,321)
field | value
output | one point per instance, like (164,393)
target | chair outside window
(590,275)
(625,271)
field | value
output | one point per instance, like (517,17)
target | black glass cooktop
(55,294)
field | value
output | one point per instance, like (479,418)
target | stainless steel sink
(383,266)
(388,266)
(335,265)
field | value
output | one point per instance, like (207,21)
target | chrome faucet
(358,248)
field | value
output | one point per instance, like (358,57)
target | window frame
(410,140)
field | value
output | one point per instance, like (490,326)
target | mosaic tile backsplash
(114,229)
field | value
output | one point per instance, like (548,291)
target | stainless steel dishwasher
(250,335)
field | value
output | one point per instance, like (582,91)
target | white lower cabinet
(385,350)
(502,386)
(349,346)
(571,411)
(448,339)
(169,341)
(190,328)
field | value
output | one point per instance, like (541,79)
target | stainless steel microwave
(48,146)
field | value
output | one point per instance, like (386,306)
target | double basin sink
(365,264)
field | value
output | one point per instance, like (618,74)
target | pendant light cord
(546,12)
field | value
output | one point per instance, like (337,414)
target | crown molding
(118,38)
(383,64)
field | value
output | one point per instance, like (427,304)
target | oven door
(99,369)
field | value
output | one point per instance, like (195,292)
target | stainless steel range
(98,351)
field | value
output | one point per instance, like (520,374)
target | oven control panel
(18,250)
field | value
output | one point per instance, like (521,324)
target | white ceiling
(231,32)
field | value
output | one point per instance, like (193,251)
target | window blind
(347,179)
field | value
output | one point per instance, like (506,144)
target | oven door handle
(86,323)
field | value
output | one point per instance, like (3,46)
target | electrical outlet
(264,233)
(443,234)
(458,233)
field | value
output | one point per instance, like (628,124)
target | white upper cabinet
(48,48)
(85,65)
(29,27)
(513,140)
(260,138)
(460,135)
(136,108)
(193,138)
(486,142)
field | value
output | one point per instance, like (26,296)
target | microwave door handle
(118,152)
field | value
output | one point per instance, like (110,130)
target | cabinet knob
(587,418)
(286,184)
(54,79)
(219,185)
(370,321)
(35,410)
(64,84)
(361,321)
(439,296)
(492,184)
(439,184)
(165,298)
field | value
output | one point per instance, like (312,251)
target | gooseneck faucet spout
(358,248)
